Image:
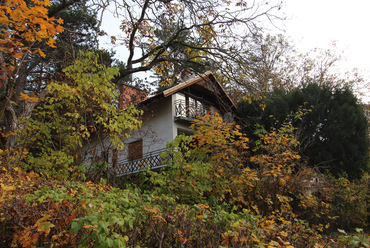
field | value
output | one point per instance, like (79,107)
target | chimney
(130,95)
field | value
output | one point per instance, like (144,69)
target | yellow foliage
(25,97)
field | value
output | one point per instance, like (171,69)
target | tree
(277,63)
(168,75)
(268,68)
(80,110)
(32,32)
(23,24)
(164,35)
(333,132)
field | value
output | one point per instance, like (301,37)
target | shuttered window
(114,157)
(135,150)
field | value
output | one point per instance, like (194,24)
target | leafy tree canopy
(164,36)
(38,39)
(78,110)
(332,131)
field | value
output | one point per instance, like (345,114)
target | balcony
(153,160)
(186,112)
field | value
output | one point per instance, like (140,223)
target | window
(114,157)
(135,150)
(185,132)
(105,156)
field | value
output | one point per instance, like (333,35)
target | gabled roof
(206,80)
(190,82)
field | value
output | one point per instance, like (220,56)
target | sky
(315,23)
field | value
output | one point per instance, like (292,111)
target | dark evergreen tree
(333,132)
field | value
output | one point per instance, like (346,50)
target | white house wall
(160,125)
(156,131)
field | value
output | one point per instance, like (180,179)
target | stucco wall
(156,130)
(158,127)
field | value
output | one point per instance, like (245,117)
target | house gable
(205,83)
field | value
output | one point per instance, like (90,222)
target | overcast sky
(315,23)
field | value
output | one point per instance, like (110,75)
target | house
(166,115)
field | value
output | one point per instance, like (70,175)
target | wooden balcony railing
(153,160)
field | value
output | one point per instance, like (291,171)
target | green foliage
(95,215)
(45,37)
(212,194)
(333,134)
(92,215)
(358,239)
(81,108)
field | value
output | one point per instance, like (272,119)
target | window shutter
(135,150)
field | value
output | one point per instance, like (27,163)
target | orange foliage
(224,140)
(34,223)
(23,23)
